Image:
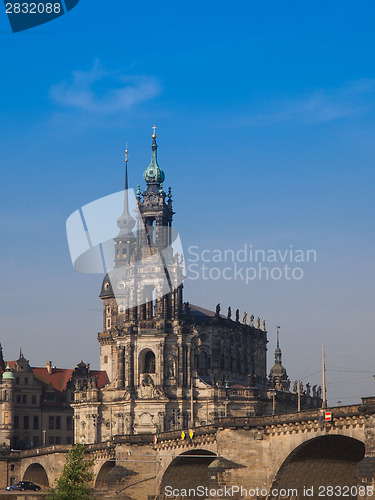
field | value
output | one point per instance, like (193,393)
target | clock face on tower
(106,286)
(121,285)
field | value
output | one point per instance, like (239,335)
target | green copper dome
(8,374)
(153,173)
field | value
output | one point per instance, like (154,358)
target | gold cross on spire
(154,134)
(126,153)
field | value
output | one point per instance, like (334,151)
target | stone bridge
(295,455)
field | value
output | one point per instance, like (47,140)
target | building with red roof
(36,401)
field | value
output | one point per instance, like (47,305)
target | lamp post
(324,403)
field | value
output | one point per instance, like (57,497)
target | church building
(170,364)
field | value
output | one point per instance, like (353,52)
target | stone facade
(35,402)
(267,453)
(183,398)
(171,364)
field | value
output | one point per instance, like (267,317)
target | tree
(73,484)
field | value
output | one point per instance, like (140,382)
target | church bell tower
(142,294)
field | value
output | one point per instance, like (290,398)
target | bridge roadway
(265,456)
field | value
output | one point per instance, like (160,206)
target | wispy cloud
(101,92)
(315,107)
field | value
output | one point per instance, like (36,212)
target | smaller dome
(278,370)
(153,173)
(8,374)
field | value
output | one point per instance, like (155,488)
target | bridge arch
(102,479)
(188,470)
(322,461)
(37,474)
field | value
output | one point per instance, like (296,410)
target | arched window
(149,362)
(202,360)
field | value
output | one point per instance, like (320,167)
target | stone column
(120,367)
(173,298)
(180,367)
(126,303)
(188,366)
(161,362)
(176,303)
(133,313)
(159,303)
(139,305)
(126,366)
(165,306)
(132,376)
(184,365)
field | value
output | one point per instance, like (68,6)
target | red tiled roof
(58,378)
(101,377)
(61,376)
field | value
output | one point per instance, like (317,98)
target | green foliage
(74,482)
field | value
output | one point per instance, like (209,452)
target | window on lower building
(16,422)
(24,399)
(19,398)
(69,423)
(36,422)
(51,440)
(26,421)
(26,381)
(33,400)
(54,422)
(57,440)
(12,467)
(50,396)
(6,418)
(36,441)
(69,440)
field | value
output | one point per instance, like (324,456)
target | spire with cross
(153,174)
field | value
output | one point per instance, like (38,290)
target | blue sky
(265,115)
